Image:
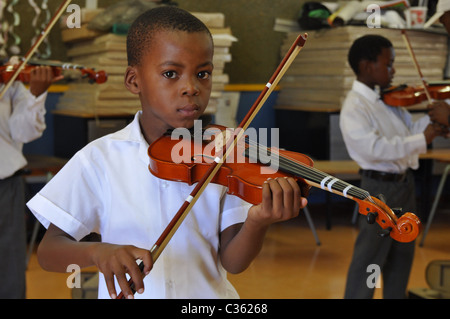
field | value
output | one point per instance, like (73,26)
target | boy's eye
(170,74)
(204,75)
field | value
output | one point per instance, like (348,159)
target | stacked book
(107,51)
(320,76)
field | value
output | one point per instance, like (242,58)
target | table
(40,169)
(342,167)
(442,155)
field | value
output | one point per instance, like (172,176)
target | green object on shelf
(120,28)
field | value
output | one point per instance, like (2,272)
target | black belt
(383,176)
(21,172)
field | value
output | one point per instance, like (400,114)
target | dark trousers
(393,258)
(12,238)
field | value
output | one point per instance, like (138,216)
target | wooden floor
(291,265)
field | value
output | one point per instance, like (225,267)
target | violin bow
(35,46)
(416,64)
(184,210)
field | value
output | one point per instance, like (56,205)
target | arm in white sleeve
(27,121)
(366,143)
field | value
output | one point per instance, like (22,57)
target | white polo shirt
(107,188)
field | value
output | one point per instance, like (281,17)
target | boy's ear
(365,67)
(131,82)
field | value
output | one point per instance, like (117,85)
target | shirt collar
(133,133)
(364,90)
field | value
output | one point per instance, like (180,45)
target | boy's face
(173,81)
(445,20)
(382,70)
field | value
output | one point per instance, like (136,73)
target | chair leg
(311,225)
(36,228)
(435,203)
(355,214)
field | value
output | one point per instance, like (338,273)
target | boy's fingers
(109,279)
(137,278)
(267,194)
(291,198)
(279,187)
(297,195)
(148,262)
(124,286)
(278,196)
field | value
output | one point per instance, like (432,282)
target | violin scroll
(409,227)
(403,229)
(98,77)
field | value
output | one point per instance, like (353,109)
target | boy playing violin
(22,120)
(386,144)
(106,188)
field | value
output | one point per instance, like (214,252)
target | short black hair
(163,18)
(367,47)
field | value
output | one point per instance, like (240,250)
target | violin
(59,12)
(250,165)
(7,71)
(405,96)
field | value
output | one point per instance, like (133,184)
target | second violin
(405,96)
(7,71)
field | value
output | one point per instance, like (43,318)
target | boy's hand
(41,77)
(117,260)
(439,112)
(281,200)
(434,130)
(240,243)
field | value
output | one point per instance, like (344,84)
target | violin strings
(298,168)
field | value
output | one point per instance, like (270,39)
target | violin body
(187,160)
(243,177)
(405,96)
(7,71)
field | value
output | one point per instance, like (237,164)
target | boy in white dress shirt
(386,144)
(22,120)
(107,188)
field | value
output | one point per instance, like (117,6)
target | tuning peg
(398,211)
(385,232)
(381,197)
(371,217)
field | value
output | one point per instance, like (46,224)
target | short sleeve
(71,200)
(235,211)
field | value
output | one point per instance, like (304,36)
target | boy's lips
(189,110)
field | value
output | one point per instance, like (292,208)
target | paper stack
(320,76)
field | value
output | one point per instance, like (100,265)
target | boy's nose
(191,87)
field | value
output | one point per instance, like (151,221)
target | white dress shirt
(107,188)
(381,137)
(22,120)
